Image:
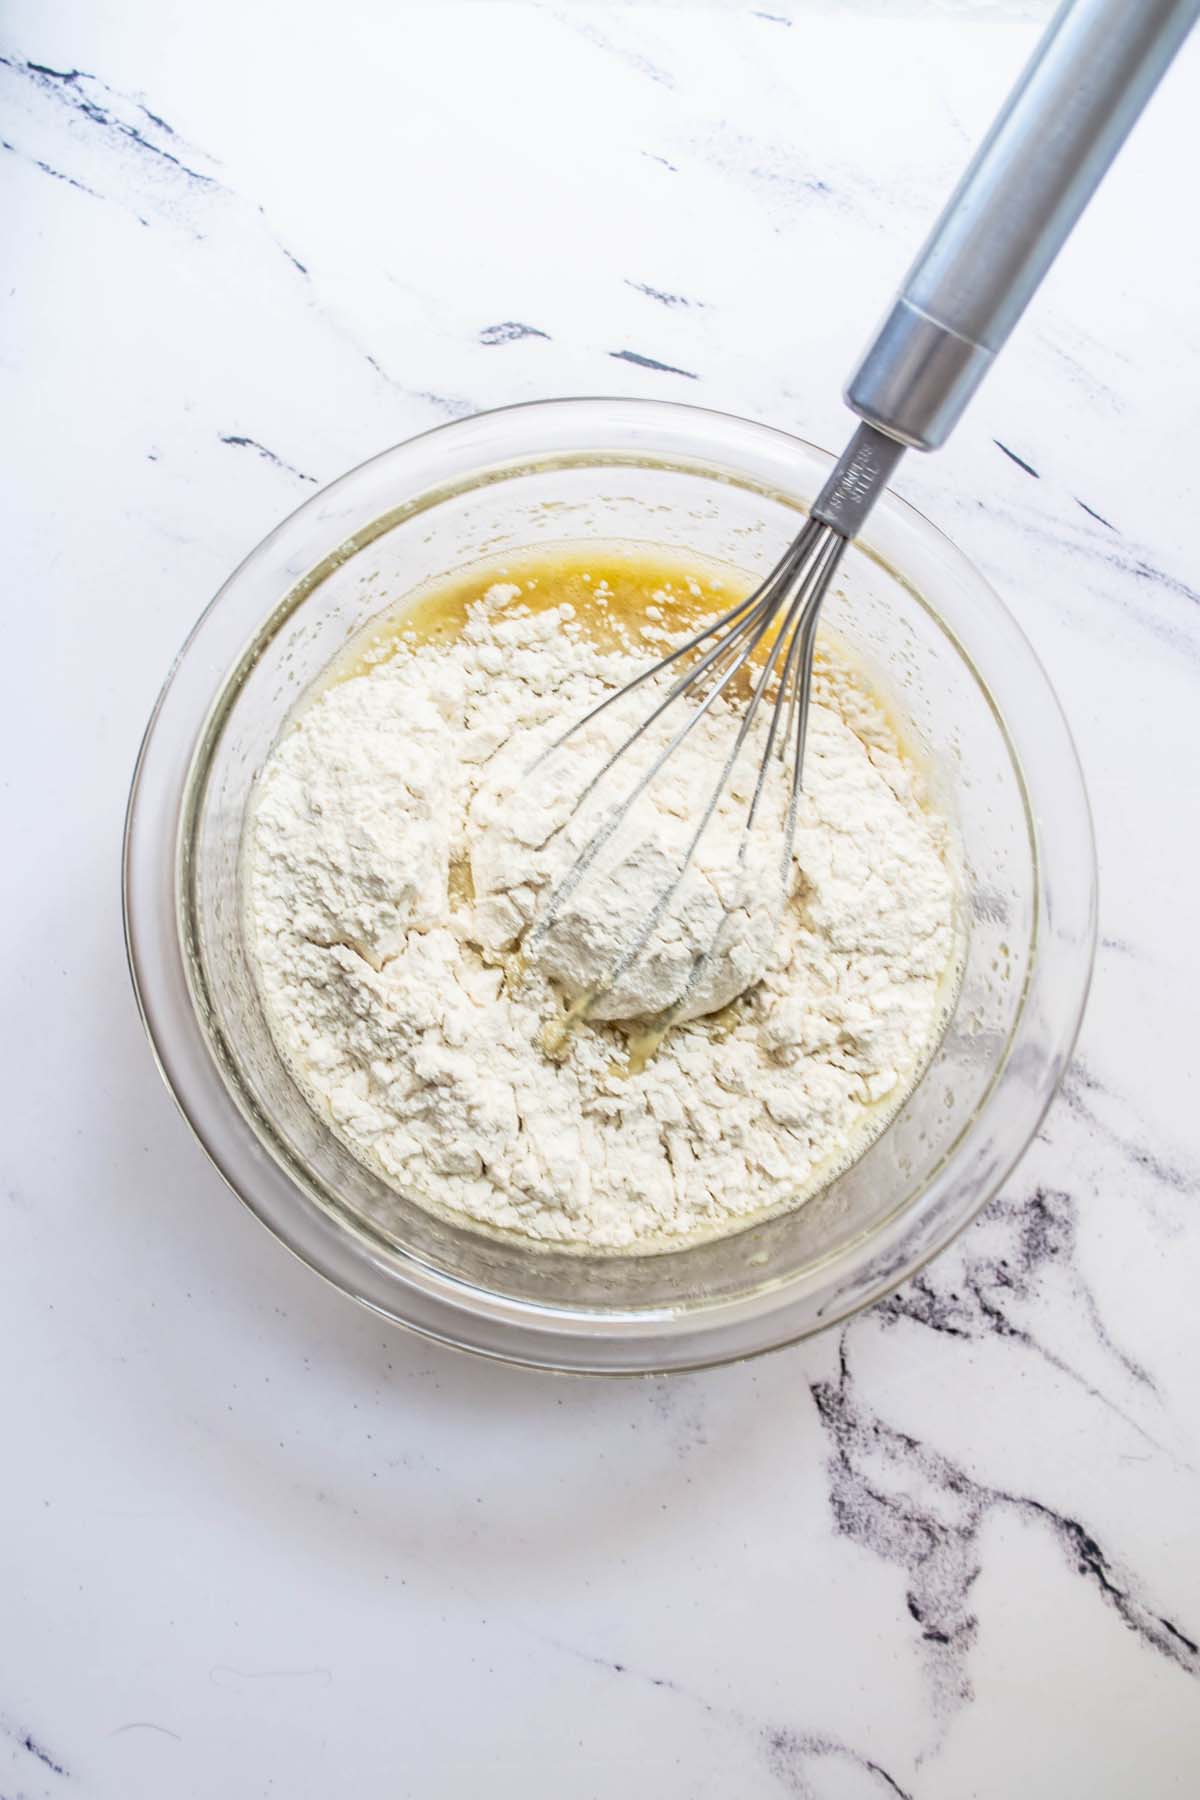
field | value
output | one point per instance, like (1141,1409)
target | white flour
(393,995)
(719,920)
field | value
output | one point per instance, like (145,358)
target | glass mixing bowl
(987,725)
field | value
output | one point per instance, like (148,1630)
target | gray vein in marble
(1080,1081)
(789,1751)
(914,1507)
(678,1405)
(1003,1262)
(146,1725)
(1093,514)
(509,331)
(1080,373)
(24,1740)
(784,1749)
(1019,460)
(1090,547)
(452,406)
(249,443)
(767,165)
(664,299)
(93,99)
(46,169)
(652,157)
(373,361)
(95,105)
(651,362)
(92,109)
(1171,584)
(331,320)
(630,59)
(294,260)
(1123,564)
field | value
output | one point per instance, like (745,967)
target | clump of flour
(394,996)
(707,905)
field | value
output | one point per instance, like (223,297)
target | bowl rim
(431,1302)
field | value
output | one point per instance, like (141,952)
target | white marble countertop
(253,1542)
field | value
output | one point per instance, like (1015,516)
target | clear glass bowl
(998,752)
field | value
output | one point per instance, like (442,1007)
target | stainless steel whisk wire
(1064,121)
(793,589)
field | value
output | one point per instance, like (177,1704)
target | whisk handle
(1060,128)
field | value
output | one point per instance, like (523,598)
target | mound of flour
(707,906)
(398,856)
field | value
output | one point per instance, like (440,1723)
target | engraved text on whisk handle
(859,477)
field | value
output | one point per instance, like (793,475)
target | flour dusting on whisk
(660,903)
(719,907)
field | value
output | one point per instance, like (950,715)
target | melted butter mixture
(616,589)
(627,596)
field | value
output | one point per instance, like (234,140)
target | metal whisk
(786,603)
(1089,78)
